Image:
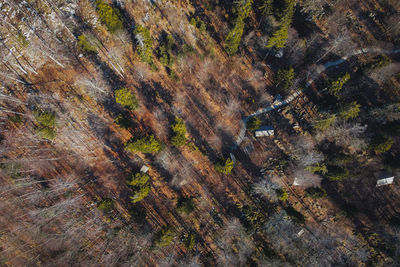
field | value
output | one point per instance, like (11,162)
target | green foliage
(140,192)
(317,168)
(46,133)
(266,7)
(165,52)
(189,240)
(336,86)
(294,214)
(336,173)
(144,44)
(381,144)
(123,121)
(179,129)
(326,122)
(163,237)
(111,17)
(199,24)
(46,122)
(341,159)
(253,124)
(350,111)
(285,78)
(45,119)
(232,40)
(16,119)
(192,146)
(139,179)
(315,192)
(13,169)
(106,205)
(85,45)
(224,167)
(278,39)
(282,194)
(185,205)
(378,62)
(22,40)
(126,98)
(147,144)
(140,186)
(253,217)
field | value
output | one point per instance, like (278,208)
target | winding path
(317,71)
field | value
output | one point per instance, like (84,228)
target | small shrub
(138,179)
(46,133)
(147,144)
(185,205)
(85,45)
(163,237)
(253,218)
(336,86)
(106,205)
(46,122)
(13,169)
(140,192)
(378,62)
(111,17)
(126,98)
(144,44)
(336,173)
(381,144)
(165,52)
(279,37)
(16,119)
(325,122)
(282,194)
(179,129)
(350,111)
(224,167)
(284,78)
(45,119)
(189,240)
(253,124)
(315,192)
(22,40)
(317,168)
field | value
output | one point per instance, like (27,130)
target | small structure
(264,131)
(296,181)
(300,233)
(385,181)
(144,169)
(384,178)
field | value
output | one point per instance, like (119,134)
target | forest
(200,133)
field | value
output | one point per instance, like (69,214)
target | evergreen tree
(111,17)
(147,144)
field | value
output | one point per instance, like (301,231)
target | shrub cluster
(148,144)
(126,98)
(140,186)
(179,129)
(110,16)
(46,122)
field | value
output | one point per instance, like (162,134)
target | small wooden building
(265,131)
